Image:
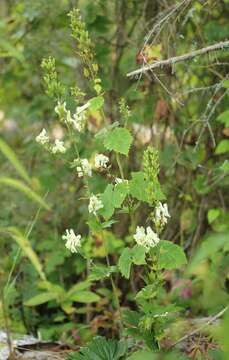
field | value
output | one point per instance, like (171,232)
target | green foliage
(136,256)
(86,292)
(171,256)
(119,140)
(101,349)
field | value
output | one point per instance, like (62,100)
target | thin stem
(119,165)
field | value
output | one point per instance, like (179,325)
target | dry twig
(159,64)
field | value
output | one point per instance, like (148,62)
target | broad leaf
(171,256)
(138,186)
(96,103)
(119,140)
(101,349)
(125,262)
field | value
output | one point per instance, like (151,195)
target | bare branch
(159,64)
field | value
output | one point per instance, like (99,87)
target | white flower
(147,238)
(72,240)
(120,181)
(58,147)
(94,204)
(82,108)
(101,161)
(79,121)
(60,109)
(42,138)
(69,119)
(84,168)
(161,213)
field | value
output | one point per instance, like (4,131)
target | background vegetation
(181,110)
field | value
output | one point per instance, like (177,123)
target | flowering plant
(122,195)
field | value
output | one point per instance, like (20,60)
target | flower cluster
(101,161)
(44,140)
(95,204)
(161,215)
(77,121)
(58,147)
(147,238)
(73,241)
(83,167)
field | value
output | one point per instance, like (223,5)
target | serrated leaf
(96,103)
(112,198)
(124,263)
(171,256)
(101,349)
(138,255)
(99,272)
(119,140)
(138,186)
(40,299)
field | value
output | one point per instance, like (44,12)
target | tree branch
(159,64)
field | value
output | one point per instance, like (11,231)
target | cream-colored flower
(161,214)
(78,121)
(120,181)
(73,241)
(42,138)
(95,204)
(147,238)
(84,168)
(101,161)
(58,147)
(61,110)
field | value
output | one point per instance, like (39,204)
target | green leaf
(225,83)
(108,202)
(119,140)
(82,285)
(112,198)
(101,349)
(143,355)
(25,245)
(213,214)
(224,118)
(11,156)
(18,185)
(171,256)
(138,254)
(99,272)
(85,297)
(96,103)
(138,186)
(222,147)
(40,299)
(124,263)
(208,248)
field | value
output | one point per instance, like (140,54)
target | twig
(196,331)
(219,46)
